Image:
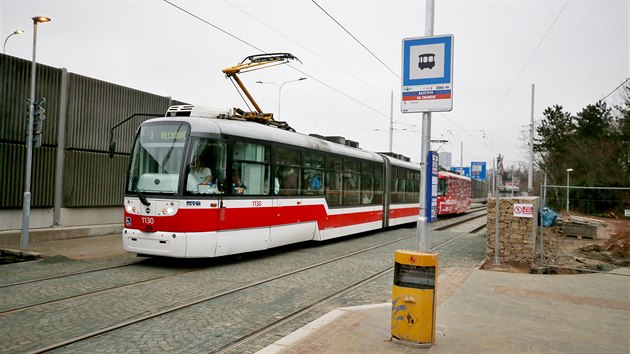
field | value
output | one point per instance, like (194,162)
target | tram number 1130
(148,220)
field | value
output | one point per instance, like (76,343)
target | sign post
(427,86)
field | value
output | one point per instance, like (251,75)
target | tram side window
(442,186)
(250,173)
(312,174)
(367,189)
(313,182)
(333,188)
(334,163)
(351,188)
(313,160)
(398,185)
(351,182)
(206,167)
(378,190)
(288,171)
(412,187)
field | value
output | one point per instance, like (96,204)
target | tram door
(245,210)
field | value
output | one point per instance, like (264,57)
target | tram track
(127,264)
(67,275)
(245,287)
(255,334)
(37,282)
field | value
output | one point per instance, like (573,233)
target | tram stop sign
(427,81)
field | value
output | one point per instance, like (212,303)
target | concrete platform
(491,312)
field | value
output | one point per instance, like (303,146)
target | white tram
(262,187)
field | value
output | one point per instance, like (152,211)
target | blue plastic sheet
(548,217)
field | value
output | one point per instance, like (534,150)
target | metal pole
(568,190)
(423,226)
(530,174)
(391,123)
(543,191)
(26,201)
(496,221)
(512,184)
(61,142)
(461,158)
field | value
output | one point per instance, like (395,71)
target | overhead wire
(356,39)
(263,51)
(313,77)
(616,88)
(526,64)
(491,148)
(306,48)
(214,26)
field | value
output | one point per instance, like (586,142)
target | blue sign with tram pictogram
(427,80)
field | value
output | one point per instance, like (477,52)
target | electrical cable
(616,88)
(355,38)
(264,52)
(526,64)
(307,49)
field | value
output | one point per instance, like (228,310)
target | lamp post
(26,202)
(4,47)
(569,170)
(279,88)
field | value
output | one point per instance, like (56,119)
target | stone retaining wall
(517,235)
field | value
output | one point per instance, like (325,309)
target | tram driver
(199,175)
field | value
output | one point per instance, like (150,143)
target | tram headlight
(130,209)
(168,211)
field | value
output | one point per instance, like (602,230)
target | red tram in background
(454,193)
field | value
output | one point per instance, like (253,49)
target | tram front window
(157,158)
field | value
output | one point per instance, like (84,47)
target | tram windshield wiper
(134,187)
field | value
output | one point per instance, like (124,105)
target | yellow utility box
(414,297)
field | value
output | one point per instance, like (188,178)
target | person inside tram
(200,173)
(289,183)
(238,187)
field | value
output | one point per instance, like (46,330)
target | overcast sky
(575,52)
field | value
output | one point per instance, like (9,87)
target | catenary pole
(391,123)
(496,213)
(530,174)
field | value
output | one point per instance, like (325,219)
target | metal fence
(72,168)
(604,201)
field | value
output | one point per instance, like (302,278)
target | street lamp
(26,203)
(4,47)
(279,88)
(569,170)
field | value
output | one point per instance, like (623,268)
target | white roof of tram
(205,120)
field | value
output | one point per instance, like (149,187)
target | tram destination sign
(427,80)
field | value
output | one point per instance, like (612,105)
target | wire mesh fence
(598,201)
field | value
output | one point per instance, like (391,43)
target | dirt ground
(566,254)
(609,250)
